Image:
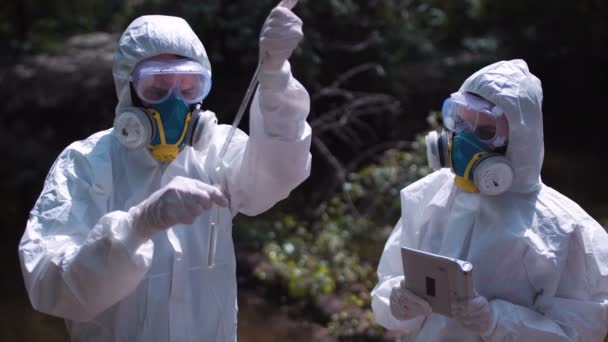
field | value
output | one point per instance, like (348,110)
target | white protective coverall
(539,259)
(80,257)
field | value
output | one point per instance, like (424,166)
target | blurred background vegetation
(377,72)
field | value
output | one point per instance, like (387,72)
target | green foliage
(336,250)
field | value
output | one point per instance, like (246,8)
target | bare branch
(346,121)
(373,39)
(334,89)
(367,105)
(355,71)
(333,161)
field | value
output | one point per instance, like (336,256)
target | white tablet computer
(439,280)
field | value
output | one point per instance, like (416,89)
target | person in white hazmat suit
(117,243)
(540,263)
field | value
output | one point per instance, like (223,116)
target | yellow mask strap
(471,163)
(167,152)
(464,182)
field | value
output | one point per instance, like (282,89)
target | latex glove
(406,305)
(181,201)
(475,314)
(281,34)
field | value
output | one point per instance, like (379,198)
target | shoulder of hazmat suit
(539,259)
(80,257)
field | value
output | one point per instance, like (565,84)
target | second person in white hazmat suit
(117,243)
(540,263)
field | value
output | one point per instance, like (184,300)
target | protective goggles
(466,112)
(155,81)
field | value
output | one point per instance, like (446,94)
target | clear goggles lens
(465,112)
(155,81)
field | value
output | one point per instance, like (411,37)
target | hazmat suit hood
(511,86)
(148,36)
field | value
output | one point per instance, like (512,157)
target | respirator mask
(170,116)
(474,146)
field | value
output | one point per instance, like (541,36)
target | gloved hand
(405,305)
(281,34)
(475,314)
(182,200)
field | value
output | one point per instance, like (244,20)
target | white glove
(281,34)
(182,200)
(405,305)
(475,314)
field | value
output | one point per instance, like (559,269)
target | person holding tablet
(540,262)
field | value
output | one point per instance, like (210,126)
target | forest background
(377,72)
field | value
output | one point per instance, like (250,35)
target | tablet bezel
(437,279)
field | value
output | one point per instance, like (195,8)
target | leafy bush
(336,250)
